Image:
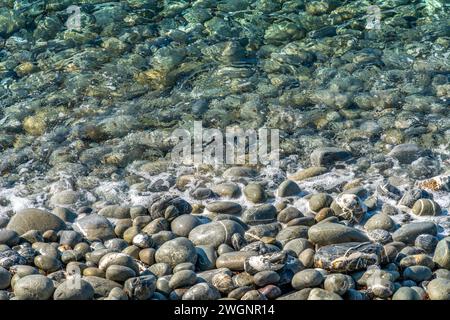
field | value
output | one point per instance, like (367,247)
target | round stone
(66,197)
(206,257)
(379,236)
(224,207)
(308,278)
(5,278)
(184,224)
(94,227)
(47,263)
(380,221)
(117,258)
(215,233)
(74,289)
(201,291)
(176,251)
(319,201)
(321,294)
(264,278)
(102,287)
(140,288)
(261,214)
(406,293)
(142,241)
(238,172)
(338,283)
(297,246)
(34,287)
(349,207)
(183,278)
(288,188)
(289,214)
(255,193)
(330,233)
(409,232)
(310,172)
(426,207)
(426,242)
(417,273)
(147,256)
(9,237)
(119,273)
(410,197)
(227,190)
(35,219)
(223,281)
(442,253)
(439,289)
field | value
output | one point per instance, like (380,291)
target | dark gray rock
(35,219)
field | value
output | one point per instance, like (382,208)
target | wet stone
(348,257)
(426,207)
(224,207)
(176,251)
(288,188)
(409,232)
(262,214)
(330,233)
(34,219)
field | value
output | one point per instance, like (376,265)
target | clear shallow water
(98,87)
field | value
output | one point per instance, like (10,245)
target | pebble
(380,221)
(224,207)
(47,263)
(5,278)
(184,224)
(308,278)
(307,173)
(349,207)
(426,207)
(338,283)
(321,294)
(140,288)
(215,233)
(319,201)
(35,219)
(405,293)
(439,289)
(348,257)
(426,242)
(288,188)
(94,227)
(409,232)
(74,289)
(405,153)
(223,281)
(34,287)
(417,273)
(183,278)
(289,214)
(9,237)
(264,278)
(119,273)
(255,193)
(176,251)
(332,233)
(206,257)
(442,253)
(227,190)
(326,156)
(201,291)
(411,196)
(234,261)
